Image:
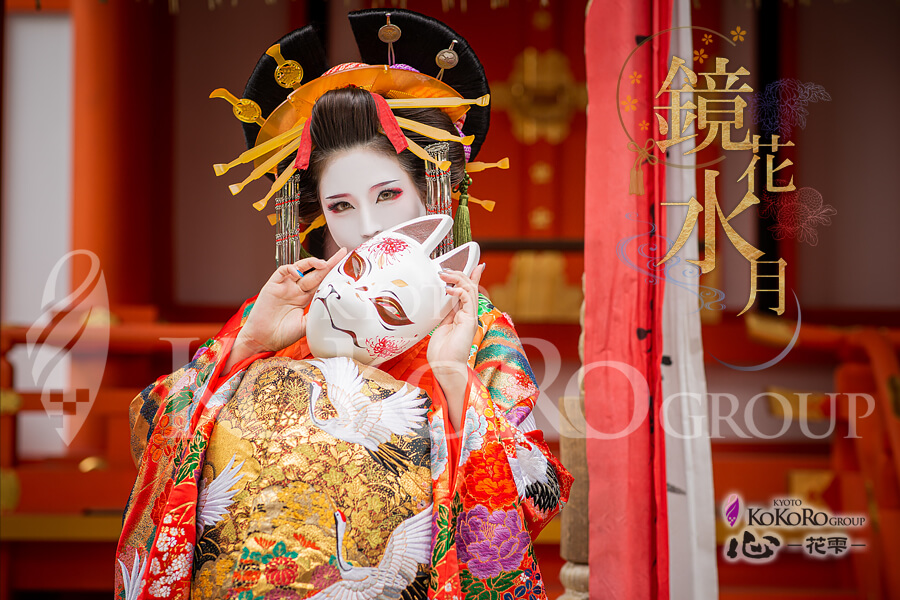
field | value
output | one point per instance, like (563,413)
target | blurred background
(108,141)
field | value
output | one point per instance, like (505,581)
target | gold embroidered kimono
(292,477)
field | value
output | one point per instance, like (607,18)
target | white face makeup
(386,295)
(364,192)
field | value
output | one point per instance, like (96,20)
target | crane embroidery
(360,420)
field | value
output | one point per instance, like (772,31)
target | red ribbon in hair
(305,149)
(389,123)
(385,117)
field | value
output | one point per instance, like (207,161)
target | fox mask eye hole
(390,311)
(354,266)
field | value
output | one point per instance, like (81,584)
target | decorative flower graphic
(700,55)
(487,478)
(325,575)
(629,103)
(707,39)
(385,347)
(163,441)
(392,246)
(635,77)
(159,507)
(388,251)
(281,570)
(474,430)
(782,105)
(644,125)
(438,447)
(491,542)
(796,213)
(737,34)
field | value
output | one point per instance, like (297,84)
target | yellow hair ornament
(436,102)
(265,167)
(279,183)
(289,73)
(421,153)
(487,205)
(433,132)
(261,149)
(245,110)
(273,218)
(318,222)
(475,167)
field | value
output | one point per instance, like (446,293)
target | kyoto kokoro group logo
(756,534)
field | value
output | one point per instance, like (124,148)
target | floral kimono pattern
(251,486)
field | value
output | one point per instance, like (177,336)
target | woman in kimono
(266,471)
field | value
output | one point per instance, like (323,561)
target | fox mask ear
(465,258)
(428,230)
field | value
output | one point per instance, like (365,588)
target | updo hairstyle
(347,119)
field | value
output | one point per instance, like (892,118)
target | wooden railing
(61,517)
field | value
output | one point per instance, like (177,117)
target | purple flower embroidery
(517,414)
(491,542)
(324,576)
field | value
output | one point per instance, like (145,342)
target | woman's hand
(277,319)
(451,342)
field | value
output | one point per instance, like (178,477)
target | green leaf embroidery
(444,536)
(181,401)
(503,581)
(192,460)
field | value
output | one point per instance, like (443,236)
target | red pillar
(121,159)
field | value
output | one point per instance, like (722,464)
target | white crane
(361,420)
(535,477)
(407,548)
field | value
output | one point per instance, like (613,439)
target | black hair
(421,39)
(303,45)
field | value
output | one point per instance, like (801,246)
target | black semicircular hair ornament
(420,41)
(302,45)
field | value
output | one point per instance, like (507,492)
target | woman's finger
(460,281)
(451,316)
(476,275)
(311,280)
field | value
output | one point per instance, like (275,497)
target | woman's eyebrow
(382,183)
(345,195)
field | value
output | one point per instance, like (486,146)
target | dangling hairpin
(389,34)
(446,59)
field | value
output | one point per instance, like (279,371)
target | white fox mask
(386,295)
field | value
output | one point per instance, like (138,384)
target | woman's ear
(465,258)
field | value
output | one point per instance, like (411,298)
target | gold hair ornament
(288,73)
(245,110)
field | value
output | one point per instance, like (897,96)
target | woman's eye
(340,206)
(389,194)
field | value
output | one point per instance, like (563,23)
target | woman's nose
(369,225)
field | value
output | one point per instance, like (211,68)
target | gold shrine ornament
(541,96)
